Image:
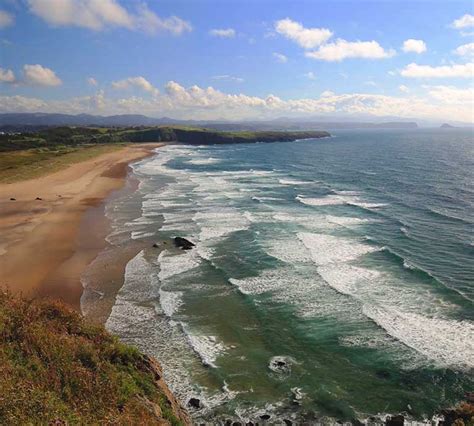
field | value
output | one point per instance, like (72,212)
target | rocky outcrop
(180,413)
(183,243)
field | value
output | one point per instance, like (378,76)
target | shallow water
(350,259)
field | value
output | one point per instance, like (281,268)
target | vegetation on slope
(59,137)
(57,369)
(31,163)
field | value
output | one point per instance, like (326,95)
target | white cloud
(327,93)
(223,32)
(6,19)
(280,57)
(227,77)
(100,14)
(92,81)
(412,45)
(307,38)
(6,76)
(445,71)
(465,50)
(151,23)
(441,102)
(452,95)
(138,82)
(342,49)
(310,75)
(465,21)
(37,75)
(403,88)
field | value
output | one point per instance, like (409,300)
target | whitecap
(206,347)
(329,200)
(447,342)
(326,249)
(293,182)
(170,301)
(346,221)
(174,264)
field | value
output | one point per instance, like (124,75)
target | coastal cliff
(199,136)
(58,369)
(54,138)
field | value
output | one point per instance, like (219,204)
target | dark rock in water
(155,245)
(280,364)
(395,421)
(382,374)
(12,199)
(287,422)
(236,424)
(38,198)
(265,416)
(183,243)
(356,422)
(194,403)
(249,424)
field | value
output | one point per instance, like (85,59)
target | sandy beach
(52,227)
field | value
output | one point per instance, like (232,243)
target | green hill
(55,368)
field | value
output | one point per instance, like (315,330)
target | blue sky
(238,59)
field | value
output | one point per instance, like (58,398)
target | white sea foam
(300,288)
(347,192)
(207,347)
(136,235)
(328,200)
(266,282)
(447,342)
(367,206)
(326,249)
(290,250)
(137,322)
(293,182)
(263,199)
(341,198)
(170,301)
(349,280)
(174,264)
(220,223)
(204,161)
(347,221)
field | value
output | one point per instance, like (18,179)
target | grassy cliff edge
(57,368)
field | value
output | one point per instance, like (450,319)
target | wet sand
(46,243)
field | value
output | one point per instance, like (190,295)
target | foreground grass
(57,369)
(32,163)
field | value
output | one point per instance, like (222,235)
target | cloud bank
(445,71)
(439,102)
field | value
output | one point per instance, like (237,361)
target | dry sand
(45,244)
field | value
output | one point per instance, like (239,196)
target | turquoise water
(331,278)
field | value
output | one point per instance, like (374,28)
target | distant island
(446,126)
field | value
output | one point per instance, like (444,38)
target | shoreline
(56,226)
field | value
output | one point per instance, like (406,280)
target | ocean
(331,279)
